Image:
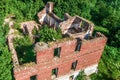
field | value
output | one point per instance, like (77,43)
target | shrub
(49,34)
(24,48)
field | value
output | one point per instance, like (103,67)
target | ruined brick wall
(81,25)
(46,16)
(89,54)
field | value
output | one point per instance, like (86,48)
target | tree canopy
(5,58)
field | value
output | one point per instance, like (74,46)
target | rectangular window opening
(78,46)
(55,71)
(33,77)
(57,52)
(74,64)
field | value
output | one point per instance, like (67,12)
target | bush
(81,76)
(101,29)
(5,58)
(24,48)
(49,34)
(109,65)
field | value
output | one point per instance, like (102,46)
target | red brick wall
(89,54)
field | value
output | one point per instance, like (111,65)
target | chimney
(66,16)
(49,7)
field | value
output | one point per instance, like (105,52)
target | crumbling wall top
(49,7)
(40,46)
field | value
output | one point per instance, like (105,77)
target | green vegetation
(104,13)
(101,29)
(81,76)
(5,58)
(24,48)
(49,34)
(110,64)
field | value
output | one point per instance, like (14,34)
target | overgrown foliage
(81,75)
(5,58)
(49,34)
(111,65)
(107,15)
(24,48)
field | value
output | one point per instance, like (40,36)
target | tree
(107,15)
(110,63)
(5,59)
(49,34)
(24,48)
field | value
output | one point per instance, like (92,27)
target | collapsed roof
(73,26)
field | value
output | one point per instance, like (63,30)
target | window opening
(78,46)
(57,52)
(33,77)
(55,71)
(74,64)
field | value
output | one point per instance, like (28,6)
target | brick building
(63,59)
